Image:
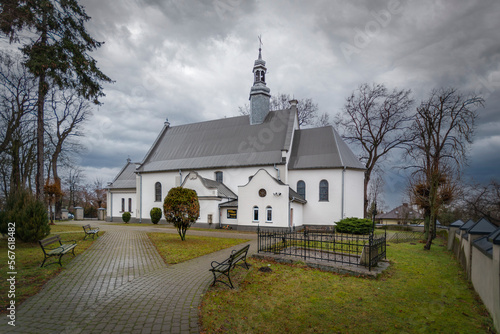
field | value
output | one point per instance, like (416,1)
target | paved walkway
(121,285)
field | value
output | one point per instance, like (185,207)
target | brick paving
(121,285)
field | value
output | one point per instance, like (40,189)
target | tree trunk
(42,91)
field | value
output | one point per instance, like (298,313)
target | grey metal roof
(227,142)
(484,245)
(125,178)
(467,225)
(230,204)
(222,190)
(457,223)
(321,148)
(483,226)
(495,237)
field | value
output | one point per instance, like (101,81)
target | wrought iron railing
(351,249)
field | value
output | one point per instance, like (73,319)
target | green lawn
(30,278)
(174,250)
(422,292)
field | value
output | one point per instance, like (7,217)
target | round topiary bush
(126,217)
(354,226)
(155,215)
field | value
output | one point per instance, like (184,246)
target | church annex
(248,171)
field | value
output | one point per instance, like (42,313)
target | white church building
(260,169)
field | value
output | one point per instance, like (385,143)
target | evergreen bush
(354,226)
(29,215)
(126,217)
(155,215)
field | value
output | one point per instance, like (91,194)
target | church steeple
(259,93)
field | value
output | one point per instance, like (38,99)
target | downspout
(343,188)
(277,169)
(289,212)
(140,199)
(111,205)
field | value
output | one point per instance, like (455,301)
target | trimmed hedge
(354,226)
(126,217)
(155,215)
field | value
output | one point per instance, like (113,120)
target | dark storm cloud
(191,61)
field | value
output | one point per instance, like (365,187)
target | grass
(422,292)
(30,278)
(173,250)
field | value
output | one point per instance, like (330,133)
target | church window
(301,188)
(257,76)
(323,191)
(123,205)
(269,214)
(157,192)
(130,205)
(219,177)
(255,213)
(262,76)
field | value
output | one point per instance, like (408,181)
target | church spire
(259,93)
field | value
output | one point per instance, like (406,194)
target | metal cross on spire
(260,45)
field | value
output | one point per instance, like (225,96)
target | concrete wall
(482,270)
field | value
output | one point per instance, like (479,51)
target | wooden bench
(225,267)
(60,250)
(90,231)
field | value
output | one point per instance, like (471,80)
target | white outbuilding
(255,170)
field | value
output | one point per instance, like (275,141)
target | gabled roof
(222,190)
(227,142)
(467,225)
(321,148)
(401,212)
(457,223)
(494,237)
(483,226)
(125,178)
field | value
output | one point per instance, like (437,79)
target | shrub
(354,226)
(155,214)
(126,217)
(181,208)
(29,215)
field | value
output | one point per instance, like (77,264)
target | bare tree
(480,201)
(307,109)
(68,112)
(443,128)
(376,120)
(17,105)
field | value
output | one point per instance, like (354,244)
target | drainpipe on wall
(140,199)
(111,205)
(277,169)
(342,208)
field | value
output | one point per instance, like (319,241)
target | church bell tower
(259,93)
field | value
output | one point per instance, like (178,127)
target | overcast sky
(191,61)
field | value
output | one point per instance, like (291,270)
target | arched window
(157,192)
(301,188)
(323,190)
(255,213)
(269,214)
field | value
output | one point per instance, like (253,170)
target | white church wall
(316,212)
(354,197)
(297,213)
(225,220)
(276,198)
(115,198)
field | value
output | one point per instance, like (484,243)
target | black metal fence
(352,249)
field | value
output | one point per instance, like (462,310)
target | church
(257,170)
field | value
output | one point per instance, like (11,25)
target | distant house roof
(226,142)
(321,148)
(401,212)
(125,179)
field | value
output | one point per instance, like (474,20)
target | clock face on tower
(262,193)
